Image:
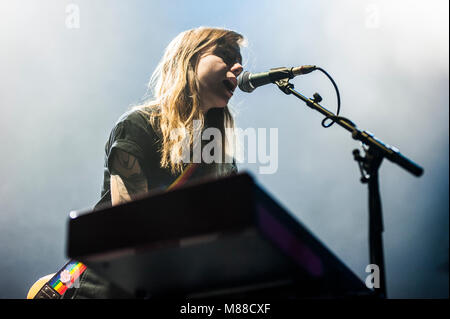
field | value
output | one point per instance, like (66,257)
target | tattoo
(119,193)
(127,179)
(126,160)
(135,184)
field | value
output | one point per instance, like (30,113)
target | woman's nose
(236,69)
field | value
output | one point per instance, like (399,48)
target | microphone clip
(281,77)
(284,85)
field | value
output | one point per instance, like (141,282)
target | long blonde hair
(175,103)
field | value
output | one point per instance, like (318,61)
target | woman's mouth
(229,85)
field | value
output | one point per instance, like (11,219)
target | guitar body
(54,286)
(32,292)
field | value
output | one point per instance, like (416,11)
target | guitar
(54,286)
(37,286)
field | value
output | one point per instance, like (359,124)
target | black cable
(332,118)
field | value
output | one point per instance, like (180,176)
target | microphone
(248,82)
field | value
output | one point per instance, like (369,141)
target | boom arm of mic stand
(390,152)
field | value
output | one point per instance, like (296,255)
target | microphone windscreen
(244,82)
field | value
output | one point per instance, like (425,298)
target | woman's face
(217,71)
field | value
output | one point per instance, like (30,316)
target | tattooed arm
(127,178)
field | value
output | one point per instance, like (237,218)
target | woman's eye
(224,56)
(228,57)
(228,60)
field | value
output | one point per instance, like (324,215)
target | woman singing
(191,87)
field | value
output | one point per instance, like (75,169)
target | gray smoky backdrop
(69,69)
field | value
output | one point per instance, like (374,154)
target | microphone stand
(375,151)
